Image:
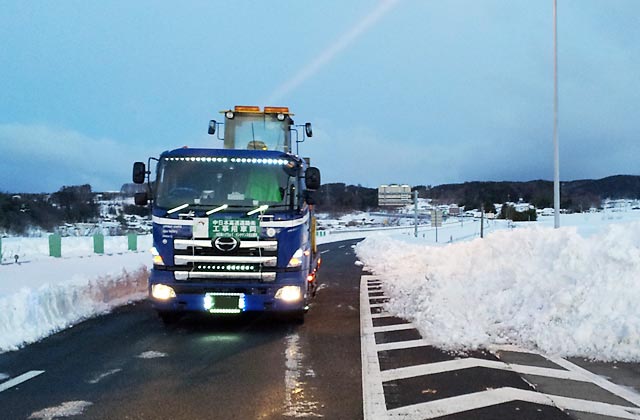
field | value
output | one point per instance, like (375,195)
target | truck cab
(234,228)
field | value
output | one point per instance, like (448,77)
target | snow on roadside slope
(540,288)
(45,296)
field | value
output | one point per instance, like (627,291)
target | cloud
(40,158)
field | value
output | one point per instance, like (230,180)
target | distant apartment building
(394,195)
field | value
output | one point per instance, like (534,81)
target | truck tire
(297,317)
(169,318)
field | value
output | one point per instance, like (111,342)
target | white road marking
(470,362)
(324,252)
(395,327)
(66,409)
(20,379)
(3,376)
(622,392)
(402,345)
(477,400)
(373,394)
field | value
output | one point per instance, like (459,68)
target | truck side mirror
(212,127)
(312,178)
(141,199)
(307,129)
(139,172)
(310,197)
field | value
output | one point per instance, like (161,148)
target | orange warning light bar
(276,110)
(245,108)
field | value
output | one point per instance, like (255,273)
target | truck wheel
(297,317)
(169,317)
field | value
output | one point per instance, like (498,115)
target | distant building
(394,195)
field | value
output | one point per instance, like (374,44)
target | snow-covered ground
(569,291)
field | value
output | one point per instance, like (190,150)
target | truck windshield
(212,182)
(256,132)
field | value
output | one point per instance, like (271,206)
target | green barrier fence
(55,245)
(133,241)
(98,243)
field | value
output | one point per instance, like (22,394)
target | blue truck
(234,227)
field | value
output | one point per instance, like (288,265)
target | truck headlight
(296,260)
(162,292)
(289,293)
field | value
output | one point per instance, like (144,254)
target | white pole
(556,150)
(415,214)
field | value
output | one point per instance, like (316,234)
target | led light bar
(212,159)
(226,267)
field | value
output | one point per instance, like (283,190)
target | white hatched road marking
(20,379)
(394,327)
(466,363)
(373,391)
(373,394)
(477,400)
(397,345)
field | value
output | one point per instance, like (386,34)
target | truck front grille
(199,260)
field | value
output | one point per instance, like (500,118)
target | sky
(398,91)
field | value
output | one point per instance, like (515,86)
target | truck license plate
(229,303)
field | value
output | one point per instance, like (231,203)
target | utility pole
(482,222)
(556,150)
(415,208)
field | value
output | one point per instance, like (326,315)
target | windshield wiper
(217,209)
(262,208)
(180,207)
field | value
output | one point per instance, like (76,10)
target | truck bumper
(256,297)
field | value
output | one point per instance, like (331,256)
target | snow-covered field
(569,291)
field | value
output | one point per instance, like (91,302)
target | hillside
(575,195)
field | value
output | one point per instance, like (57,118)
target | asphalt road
(128,365)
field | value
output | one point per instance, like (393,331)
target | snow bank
(43,297)
(546,289)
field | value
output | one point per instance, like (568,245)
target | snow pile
(550,290)
(40,298)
